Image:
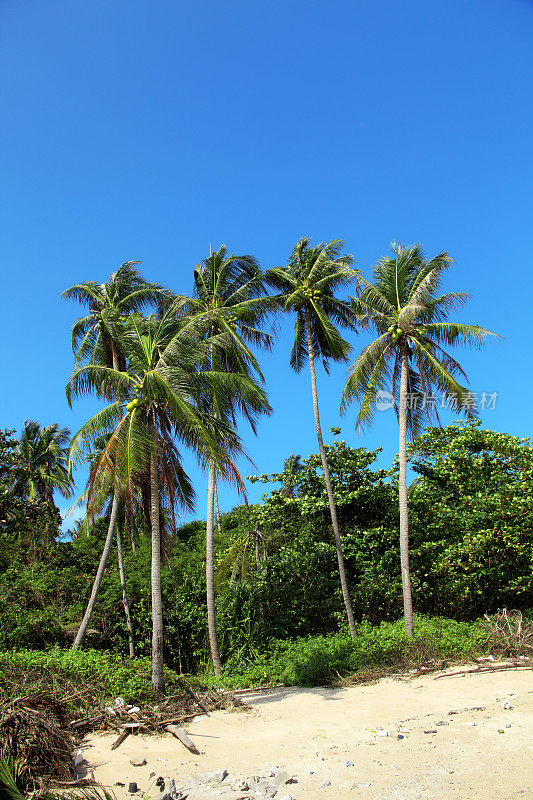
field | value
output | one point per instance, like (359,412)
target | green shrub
(315,660)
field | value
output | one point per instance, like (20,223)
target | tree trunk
(99,574)
(210,572)
(158,678)
(329,489)
(402,497)
(125,601)
(217,509)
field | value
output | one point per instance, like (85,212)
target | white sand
(318,735)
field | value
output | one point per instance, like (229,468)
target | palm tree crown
(125,292)
(163,393)
(43,452)
(308,285)
(404,307)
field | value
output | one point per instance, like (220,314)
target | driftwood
(266,688)
(80,723)
(124,735)
(180,734)
(479,669)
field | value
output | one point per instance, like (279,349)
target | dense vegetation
(311,580)
(279,606)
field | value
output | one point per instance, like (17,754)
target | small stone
(266,788)
(282,778)
(138,762)
(432,731)
(361,784)
(213,778)
(324,784)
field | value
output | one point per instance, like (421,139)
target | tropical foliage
(175,377)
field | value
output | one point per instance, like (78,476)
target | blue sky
(152,131)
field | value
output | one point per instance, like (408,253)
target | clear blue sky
(136,130)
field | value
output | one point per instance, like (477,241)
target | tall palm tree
(102,504)
(168,396)
(308,285)
(407,362)
(230,292)
(94,342)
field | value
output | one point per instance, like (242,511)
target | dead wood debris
(154,718)
(34,735)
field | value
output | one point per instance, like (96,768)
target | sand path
(320,735)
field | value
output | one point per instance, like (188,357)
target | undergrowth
(315,660)
(84,679)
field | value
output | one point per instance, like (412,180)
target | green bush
(316,660)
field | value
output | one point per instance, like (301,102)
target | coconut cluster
(133,404)
(312,294)
(395,332)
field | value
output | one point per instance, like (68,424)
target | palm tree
(168,395)
(104,500)
(109,304)
(43,454)
(42,457)
(406,364)
(125,292)
(230,292)
(308,285)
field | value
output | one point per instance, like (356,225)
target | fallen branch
(124,735)
(257,689)
(477,670)
(180,734)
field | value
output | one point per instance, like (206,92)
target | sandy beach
(464,737)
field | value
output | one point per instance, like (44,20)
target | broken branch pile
(156,718)
(34,737)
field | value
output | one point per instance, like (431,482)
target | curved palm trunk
(125,601)
(210,572)
(329,488)
(402,498)
(78,641)
(158,678)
